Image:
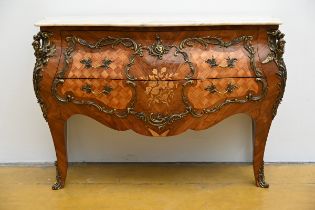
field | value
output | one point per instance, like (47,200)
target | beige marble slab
(149,22)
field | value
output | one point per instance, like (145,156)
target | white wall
(25,137)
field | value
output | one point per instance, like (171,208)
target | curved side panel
(47,47)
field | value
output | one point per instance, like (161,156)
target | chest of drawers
(159,80)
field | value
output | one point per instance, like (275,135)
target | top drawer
(159,55)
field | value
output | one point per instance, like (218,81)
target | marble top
(147,22)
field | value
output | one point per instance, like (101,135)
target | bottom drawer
(142,96)
(207,93)
(115,94)
(165,97)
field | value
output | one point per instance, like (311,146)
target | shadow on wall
(228,141)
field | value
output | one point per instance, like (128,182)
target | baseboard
(41,164)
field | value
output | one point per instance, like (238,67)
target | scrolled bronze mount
(88,89)
(276,45)
(87,62)
(230,62)
(228,90)
(44,49)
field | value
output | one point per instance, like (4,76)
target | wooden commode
(158,79)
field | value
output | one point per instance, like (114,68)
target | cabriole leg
(58,132)
(261,127)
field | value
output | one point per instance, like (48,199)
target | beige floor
(158,186)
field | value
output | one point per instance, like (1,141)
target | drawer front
(148,96)
(215,61)
(135,55)
(212,93)
(159,99)
(114,94)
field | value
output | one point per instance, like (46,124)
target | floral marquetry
(160,92)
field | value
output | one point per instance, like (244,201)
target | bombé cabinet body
(159,80)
